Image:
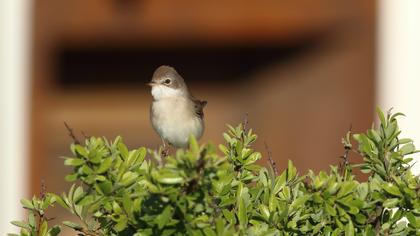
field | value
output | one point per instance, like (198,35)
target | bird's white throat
(161,92)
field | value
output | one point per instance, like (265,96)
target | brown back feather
(198,107)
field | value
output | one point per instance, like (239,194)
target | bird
(174,113)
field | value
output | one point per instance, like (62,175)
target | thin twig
(244,126)
(84,135)
(40,214)
(271,160)
(201,162)
(245,121)
(71,134)
(43,189)
(343,165)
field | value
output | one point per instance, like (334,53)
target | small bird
(175,114)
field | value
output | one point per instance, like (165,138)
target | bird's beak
(151,84)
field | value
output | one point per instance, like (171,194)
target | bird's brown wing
(198,107)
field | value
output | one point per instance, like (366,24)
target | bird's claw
(165,151)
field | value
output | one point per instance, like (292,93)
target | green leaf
(74,162)
(105,187)
(242,213)
(349,229)
(170,179)
(27,203)
(78,194)
(396,115)
(391,202)
(392,189)
(209,232)
(54,231)
(193,144)
(31,219)
(224,149)
(346,189)
(230,216)
(116,208)
(128,178)
(80,150)
(121,223)
(291,170)
(381,116)
(264,211)
(43,229)
(71,177)
(407,149)
(127,204)
(60,201)
(330,210)
(361,219)
(412,219)
(299,202)
(162,219)
(72,225)
(404,141)
(105,165)
(86,200)
(87,170)
(279,184)
(141,154)
(21,224)
(123,150)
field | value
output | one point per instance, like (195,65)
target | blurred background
(304,71)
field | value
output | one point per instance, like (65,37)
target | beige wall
(14,86)
(398,64)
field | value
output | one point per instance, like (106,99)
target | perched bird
(175,114)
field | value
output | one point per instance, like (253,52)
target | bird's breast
(175,120)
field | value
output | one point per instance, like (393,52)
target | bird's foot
(165,151)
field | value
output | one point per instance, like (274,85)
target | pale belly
(175,121)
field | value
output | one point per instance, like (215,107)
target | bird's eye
(167,81)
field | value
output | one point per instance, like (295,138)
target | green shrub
(200,192)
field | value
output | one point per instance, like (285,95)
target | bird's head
(166,82)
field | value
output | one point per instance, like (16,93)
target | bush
(198,192)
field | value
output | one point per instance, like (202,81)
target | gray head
(167,76)
(167,82)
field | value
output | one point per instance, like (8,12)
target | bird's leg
(165,150)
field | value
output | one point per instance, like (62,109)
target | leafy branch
(197,191)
